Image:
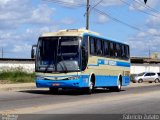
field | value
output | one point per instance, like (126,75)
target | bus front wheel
(90,88)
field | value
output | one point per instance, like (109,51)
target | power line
(88,10)
(96,5)
(147,6)
(115,19)
(138,9)
(67,4)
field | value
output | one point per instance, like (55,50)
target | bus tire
(53,90)
(118,87)
(90,89)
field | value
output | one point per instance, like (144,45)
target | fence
(138,68)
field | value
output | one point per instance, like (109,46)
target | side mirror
(33,54)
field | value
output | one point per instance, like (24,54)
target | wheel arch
(120,78)
(92,77)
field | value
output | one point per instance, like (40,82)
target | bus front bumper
(76,83)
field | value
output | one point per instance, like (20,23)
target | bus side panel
(108,70)
(106,81)
(84,82)
(125,80)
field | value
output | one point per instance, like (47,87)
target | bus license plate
(56,84)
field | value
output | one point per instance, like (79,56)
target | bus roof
(77,32)
(69,32)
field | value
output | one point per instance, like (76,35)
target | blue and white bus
(81,59)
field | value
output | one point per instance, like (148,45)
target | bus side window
(123,51)
(92,46)
(99,47)
(118,50)
(106,48)
(112,53)
(126,52)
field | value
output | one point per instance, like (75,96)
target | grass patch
(16,76)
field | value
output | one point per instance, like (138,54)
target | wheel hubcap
(119,85)
(91,86)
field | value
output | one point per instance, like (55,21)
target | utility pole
(87,15)
(145,1)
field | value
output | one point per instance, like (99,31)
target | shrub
(16,76)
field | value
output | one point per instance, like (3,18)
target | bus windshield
(58,54)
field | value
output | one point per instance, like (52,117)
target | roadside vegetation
(17,75)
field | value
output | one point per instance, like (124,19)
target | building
(142,64)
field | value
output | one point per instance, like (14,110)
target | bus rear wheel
(117,88)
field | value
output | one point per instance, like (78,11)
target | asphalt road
(135,100)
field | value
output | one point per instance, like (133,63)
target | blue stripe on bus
(123,64)
(111,63)
(101,81)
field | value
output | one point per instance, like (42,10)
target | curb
(15,87)
(133,85)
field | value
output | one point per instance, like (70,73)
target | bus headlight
(39,78)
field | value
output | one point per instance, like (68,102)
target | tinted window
(99,47)
(112,49)
(109,48)
(118,50)
(106,48)
(123,51)
(147,74)
(141,74)
(127,51)
(92,46)
(152,74)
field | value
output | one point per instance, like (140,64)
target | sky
(129,21)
